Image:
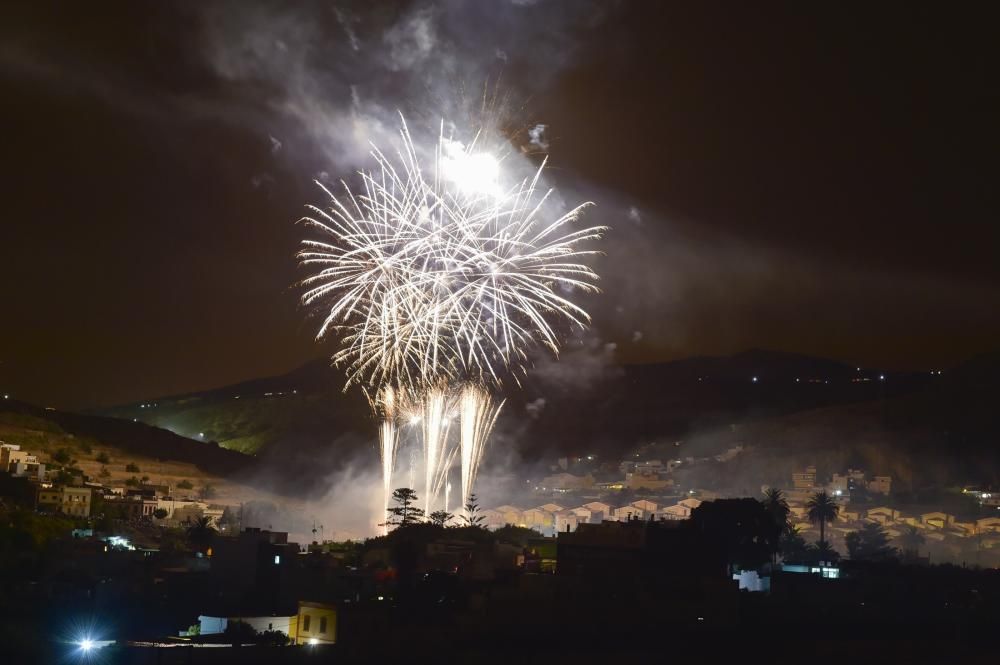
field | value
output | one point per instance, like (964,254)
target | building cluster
(864,500)
(28,483)
(551,518)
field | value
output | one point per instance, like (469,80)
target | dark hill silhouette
(141,439)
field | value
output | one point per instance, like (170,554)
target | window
(305,622)
(322,624)
(277,559)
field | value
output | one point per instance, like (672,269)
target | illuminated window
(322,624)
(277,559)
(306,620)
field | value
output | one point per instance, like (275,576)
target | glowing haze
(438,277)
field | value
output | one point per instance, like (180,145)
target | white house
(645,506)
(566,520)
(599,511)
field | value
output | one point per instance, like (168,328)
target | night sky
(811,177)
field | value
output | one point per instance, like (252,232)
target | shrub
(104,472)
(160,513)
(132,482)
(62,456)
(103,458)
(185,485)
(132,467)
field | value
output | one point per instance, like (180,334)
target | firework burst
(436,273)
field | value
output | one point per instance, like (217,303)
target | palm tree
(793,545)
(910,540)
(200,532)
(822,509)
(777,508)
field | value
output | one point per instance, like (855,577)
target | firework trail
(388,443)
(435,431)
(439,278)
(478,414)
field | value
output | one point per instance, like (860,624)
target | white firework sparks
(438,275)
(446,276)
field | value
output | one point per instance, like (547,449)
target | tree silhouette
(793,545)
(870,543)
(822,551)
(910,541)
(777,507)
(200,532)
(822,509)
(472,516)
(405,513)
(441,517)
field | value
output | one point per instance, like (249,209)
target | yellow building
(316,623)
(76,501)
(50,500)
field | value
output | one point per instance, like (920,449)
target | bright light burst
(437,274)
(444,274)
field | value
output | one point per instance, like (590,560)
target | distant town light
(313,641)
(881,377)
(755,379)
(277,559)
(201,434)
(6,396)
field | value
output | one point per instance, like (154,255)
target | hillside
(112,451)
(301,425)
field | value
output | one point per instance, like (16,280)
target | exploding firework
(439,278)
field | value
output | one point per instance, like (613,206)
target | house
(211,625)
(77,501)
(626,513)
(680,511)
(805,479)
(880,485)
(551,507)
(848,515)
(599,511)
(937,520)
(49,500)
(988,525)
(647,481)
(538,518)
(566,520)
(510,514)
(965,529)
(645,506)
(567,481)
(582,514)
(317,623)
(492,518)
(883,515)
(11,454)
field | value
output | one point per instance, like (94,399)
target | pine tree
(472,516)
(406,512)
(441,517)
